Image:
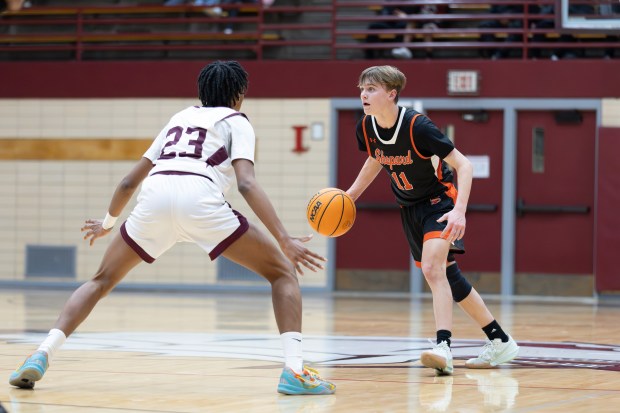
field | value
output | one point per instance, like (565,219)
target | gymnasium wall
(70,131)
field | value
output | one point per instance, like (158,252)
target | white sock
(292,345)
(54,340)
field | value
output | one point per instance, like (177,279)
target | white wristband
(108,221)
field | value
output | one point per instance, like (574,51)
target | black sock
(493,331)
(444,335)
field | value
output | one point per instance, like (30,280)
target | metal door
(555,192)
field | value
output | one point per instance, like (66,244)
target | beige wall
(46,202)
(610,113)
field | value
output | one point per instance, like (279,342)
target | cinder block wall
(46,197)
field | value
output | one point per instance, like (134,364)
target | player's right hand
(299,255)
(94,230)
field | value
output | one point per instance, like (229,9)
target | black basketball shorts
(420,224)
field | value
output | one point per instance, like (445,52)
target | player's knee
(286,271)
(432,271)
(458,284)
(460,288)
(101,285)
(279,269)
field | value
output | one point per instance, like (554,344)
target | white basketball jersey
(203,141)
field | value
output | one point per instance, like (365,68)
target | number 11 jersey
(411,152)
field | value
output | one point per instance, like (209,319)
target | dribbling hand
(94,230)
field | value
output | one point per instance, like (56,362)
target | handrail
(335,31)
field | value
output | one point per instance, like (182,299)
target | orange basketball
(331,212)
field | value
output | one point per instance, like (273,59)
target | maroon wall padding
(307,79)
(607,238)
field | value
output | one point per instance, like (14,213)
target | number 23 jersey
(411,152)
(204,141)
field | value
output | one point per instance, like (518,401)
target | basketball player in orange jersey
(415,154)
(185,173)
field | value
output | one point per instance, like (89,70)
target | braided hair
(222,83)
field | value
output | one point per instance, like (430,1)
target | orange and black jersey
(411,152)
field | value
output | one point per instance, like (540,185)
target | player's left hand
(94,230)
(299,255)
(455,228)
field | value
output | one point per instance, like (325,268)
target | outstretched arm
(257,199)
(123,193)
(456,218)
(367,174)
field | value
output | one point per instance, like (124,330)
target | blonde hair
(387,76)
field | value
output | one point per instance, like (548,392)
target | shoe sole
(504,359)
(435,362)
(293,390)
(26,379)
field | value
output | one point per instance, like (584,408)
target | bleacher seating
(290,29)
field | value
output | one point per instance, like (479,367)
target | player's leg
(496,351)
(255,251)
(500,348)
(430,256)
(465,295)
(118,260)
(475,308)
(147,233)
(434,269)
(434,255)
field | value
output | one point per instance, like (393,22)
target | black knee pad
(458,284)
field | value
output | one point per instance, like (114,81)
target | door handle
(481,208)
(522,209)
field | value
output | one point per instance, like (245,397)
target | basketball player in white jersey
(185,175)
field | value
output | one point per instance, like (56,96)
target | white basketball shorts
(179,207)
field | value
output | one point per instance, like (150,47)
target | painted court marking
(327,350)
